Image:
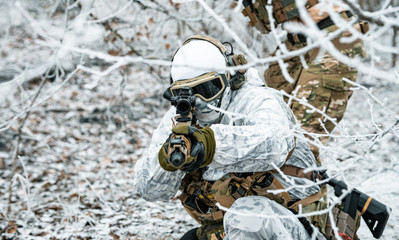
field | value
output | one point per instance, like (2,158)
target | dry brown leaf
(40,234)
(73,195)
(46,185)
(113,52)
(174,4)
(114,236)
(12,227)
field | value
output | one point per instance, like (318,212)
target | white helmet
(196,57)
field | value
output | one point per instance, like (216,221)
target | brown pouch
(226,191)
(347,226)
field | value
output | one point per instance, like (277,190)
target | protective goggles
(207,86)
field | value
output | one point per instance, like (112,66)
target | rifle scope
(184,102)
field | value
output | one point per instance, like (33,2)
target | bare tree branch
(380,20)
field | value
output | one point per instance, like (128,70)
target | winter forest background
(80,95)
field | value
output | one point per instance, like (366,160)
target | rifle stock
(374,213)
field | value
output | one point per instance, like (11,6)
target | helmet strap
(238,79)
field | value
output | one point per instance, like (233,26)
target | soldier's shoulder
(262,89)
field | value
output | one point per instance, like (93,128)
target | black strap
(247,3)
(301,38)
(244,174)
(325,23)
(306,224)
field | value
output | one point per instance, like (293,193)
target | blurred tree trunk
(394,44)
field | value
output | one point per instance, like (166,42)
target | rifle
(374,213)
(179,145)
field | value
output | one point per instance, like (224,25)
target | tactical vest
(199,196)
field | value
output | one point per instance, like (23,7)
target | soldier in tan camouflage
(321,84)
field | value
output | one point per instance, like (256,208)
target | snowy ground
(78,160)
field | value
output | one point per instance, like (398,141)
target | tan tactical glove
(202,148)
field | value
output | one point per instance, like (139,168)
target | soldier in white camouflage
(321,84)
(242,140)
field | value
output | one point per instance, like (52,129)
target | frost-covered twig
(34,104)
(223,23)
(113,14)
(376,17)
(18,142)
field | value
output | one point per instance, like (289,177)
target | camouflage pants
(245,220)
(321,85)
(211,231)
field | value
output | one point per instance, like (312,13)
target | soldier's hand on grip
(201,152)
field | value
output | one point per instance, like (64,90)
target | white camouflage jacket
(255,134)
